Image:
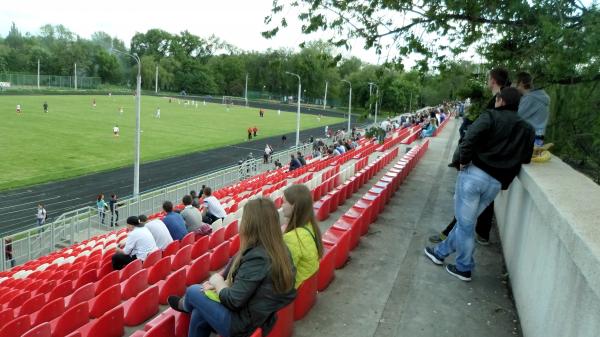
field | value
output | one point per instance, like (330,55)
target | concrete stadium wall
(549,224)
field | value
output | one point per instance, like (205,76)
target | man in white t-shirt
(213,210)
(159,231)
(138,245)
(116,131)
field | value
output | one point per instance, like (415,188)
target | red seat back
(173,285)
(152,258)
(142,307)
(108,281)
(182,258)
(188,239)
(160,270)
(166,328)
(200,247)
(231,230)
(6,316)
(18,300)
(198,271)
(87,277)
(109,325)
(219,256)
(135,284)
(16,327)
(107,300)
(130,269)
(234,245)
(326,271)
(49,311)
(216,238)
(42,330)
(82,294)
(62,290)
(306,297)
(71,320)
(46,287)
(171,248)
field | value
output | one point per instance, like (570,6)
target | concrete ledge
(549,224)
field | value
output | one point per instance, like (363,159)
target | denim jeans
(207,315)
(475,190)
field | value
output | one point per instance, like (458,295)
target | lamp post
(376,97)
(325,97)
(138,98)
(349,102)
(298,114)
(246,91)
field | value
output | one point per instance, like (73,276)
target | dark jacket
(498,142)
(294,164)
(251,298)
(301,160)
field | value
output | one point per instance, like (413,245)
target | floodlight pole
(298,113)
(38,75)
(410,103)
(138,99)
(371,84)
(349,103)
(75,72)
(156,81)
(325,98)
(246,90)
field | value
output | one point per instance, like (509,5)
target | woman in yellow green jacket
(302,234)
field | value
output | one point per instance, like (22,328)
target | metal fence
(83,223)
(47,81)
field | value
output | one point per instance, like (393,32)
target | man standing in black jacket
(490,157)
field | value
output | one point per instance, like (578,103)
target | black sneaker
(433,257)
(461,275)
(176,303)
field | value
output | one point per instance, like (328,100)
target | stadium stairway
(75,292)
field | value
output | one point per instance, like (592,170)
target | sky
(238,22)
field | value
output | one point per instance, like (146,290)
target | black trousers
(483,226)
(114,218)
(209,218)
(120,260)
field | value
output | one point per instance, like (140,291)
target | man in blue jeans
(490,157)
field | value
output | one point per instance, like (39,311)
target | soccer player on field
(94,103)
(157,114)
(46,107)
(116,130)
(18,108)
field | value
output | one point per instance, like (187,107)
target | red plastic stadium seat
(200,247)
(231,230)
(326,271)
(284,326)
(152,258)
(219,256)
(88,277)
(109,325)
(171,248)
(340,239)
(182,258)
(353,227)
(134,285)
(216,238)
(174,284)
(62,290)
(306,297)
(234,245)
(105,269)
(322,208)
(42,330)
(188,239)
(82,294)
(16,327)
(6,316)
(108,281)
(71,276)
(107,300)
(166,328)
(160,270)
(70,320)
(198,271)
(141,307)
(48,312)
(130,269)
(46,287)
(18,300)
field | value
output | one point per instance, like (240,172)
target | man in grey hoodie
(534,106)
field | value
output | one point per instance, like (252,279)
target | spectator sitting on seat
(190,214)
(159,231)
(340,147)
(334,151)
(194,196)
(258,282)
(138,245)
(301,158)
(294,163)
(429,130)
(302,235)
(174,222)
(277,164)
(213,210)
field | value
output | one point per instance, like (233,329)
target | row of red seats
(441,127)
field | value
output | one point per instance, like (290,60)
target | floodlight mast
(298,113)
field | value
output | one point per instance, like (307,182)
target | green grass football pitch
(74,138)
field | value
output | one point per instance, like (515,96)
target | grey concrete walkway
(389,288)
